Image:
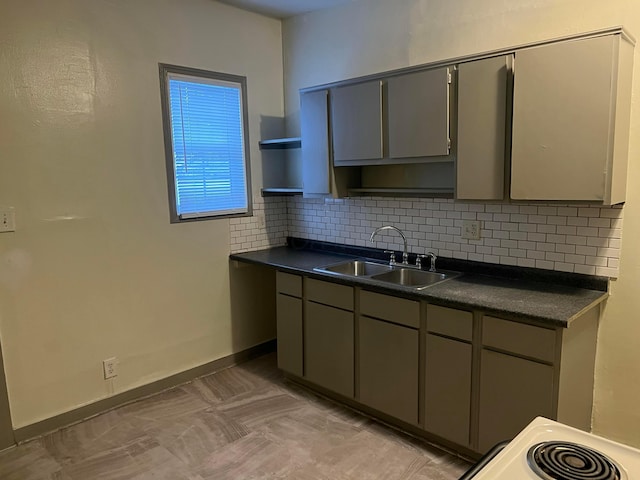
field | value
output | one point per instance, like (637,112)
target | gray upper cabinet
(314,127)
(571,108)
(418,114)
(483,90)
(356,118)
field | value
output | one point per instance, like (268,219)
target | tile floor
(244,422)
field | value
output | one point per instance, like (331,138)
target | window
(205,137)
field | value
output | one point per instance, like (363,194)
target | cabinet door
(314,127)
(513,391)
(482,120)
(328,347)
(289,332)
(447,406)
(562,120)
(418,114)
(389,368)
(356,122)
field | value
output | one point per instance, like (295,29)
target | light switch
(7,219)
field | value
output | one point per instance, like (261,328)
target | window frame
(165,70)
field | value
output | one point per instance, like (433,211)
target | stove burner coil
(570,461)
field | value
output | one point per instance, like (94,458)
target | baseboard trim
(68,418)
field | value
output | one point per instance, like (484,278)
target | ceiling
(284,8)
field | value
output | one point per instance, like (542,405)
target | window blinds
(208,146)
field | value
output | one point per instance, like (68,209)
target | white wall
(370,36)
(94,269)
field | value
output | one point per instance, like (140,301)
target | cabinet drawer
(450,322)
(327,293)
(518,338)
(393,309)
(289,284)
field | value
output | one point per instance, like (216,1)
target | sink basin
(409,277)
(356,268)
(384,273)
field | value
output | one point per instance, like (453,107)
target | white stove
(549,450)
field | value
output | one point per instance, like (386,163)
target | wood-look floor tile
(30,461)
(172,403)
(123,463)
(447,468)
(243,423)
(251,457)
(193,438)
(308,433)
(315,472)
(255,409)
(91,437)
(264,367)
(367,456)
(231,382)
(331,407)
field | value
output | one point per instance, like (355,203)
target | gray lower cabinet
(448,366)
(289,322)
(513,391)
(329,336)
(517,378)
(468,378)
(389,362)
(388,353)
(448,388)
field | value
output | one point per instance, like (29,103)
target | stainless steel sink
(409,277)
(387,274)
(355,268)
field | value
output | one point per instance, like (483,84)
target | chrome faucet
(405,254)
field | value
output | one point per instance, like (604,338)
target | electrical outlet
(261,220)
(471,229)
(109,366)
(7,219)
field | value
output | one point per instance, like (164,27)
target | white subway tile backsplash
(547,228)
(582,239)
(566,248)
(607,272)
(267,227)
(536,255)
(589,212)
(585,269)
(544,264)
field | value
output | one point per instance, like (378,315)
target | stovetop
(549,450)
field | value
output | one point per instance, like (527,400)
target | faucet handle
(419,259)
(392,256)
(434,257)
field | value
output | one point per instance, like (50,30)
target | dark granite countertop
(520,299)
